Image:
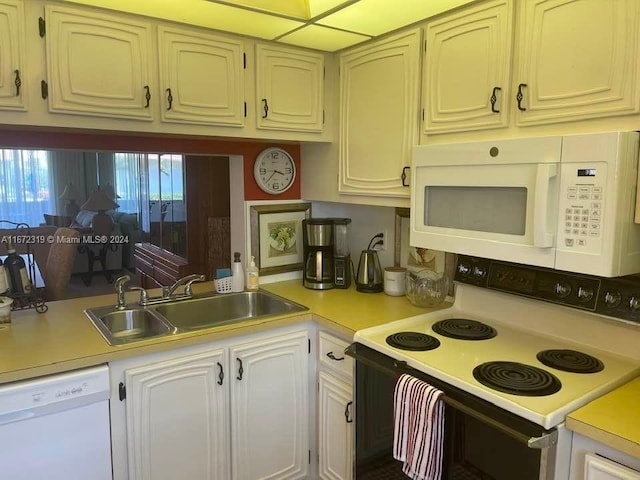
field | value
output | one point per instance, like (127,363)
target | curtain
(67,167)
(127,181)
(25,186)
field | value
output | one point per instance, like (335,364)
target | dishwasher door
(56,427)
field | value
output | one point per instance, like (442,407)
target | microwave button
(595,205)
(568,211)
(571,196)
(576,211)
(575,231)
(568,224)
(585,189)
(596,189)
(596,196)
(567,231)
(595,221)
(595,213)
(595,226)
(584,218)
(576,224)
(585,196)
(568,217)
(568,242)
(572,189)
(594,233)
(585,211)
(584,234)
(581,241)
(584,225)
(576,218)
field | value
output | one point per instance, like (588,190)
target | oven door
(464,200)
(481,441)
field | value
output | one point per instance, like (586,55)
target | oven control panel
(613,297)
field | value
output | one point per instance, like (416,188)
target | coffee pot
(369,278)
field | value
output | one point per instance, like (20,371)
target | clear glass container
(426,288)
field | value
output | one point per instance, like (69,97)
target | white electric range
(502,343)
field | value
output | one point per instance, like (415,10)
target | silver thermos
(369,278)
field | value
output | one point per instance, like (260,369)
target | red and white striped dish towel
(418,433)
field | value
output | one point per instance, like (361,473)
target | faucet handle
(193,279)
(144,295)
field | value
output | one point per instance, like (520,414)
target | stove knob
(562,289)
(464,269)
(585,294)
(634,303)
(479,272)
(612,298)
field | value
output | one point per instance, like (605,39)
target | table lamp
(70,195)
(110,191)
(99,201)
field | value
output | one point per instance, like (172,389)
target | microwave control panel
(581,203)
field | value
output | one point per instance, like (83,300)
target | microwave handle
(541,237)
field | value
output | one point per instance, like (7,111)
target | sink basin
(210,311)
(133,324)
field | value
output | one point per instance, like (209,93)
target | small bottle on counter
(17,270)
(237,279)
(253,277)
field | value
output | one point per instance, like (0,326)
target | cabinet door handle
(18,82)
(404,176)
(169,98)
(265,108)
(240,369)
(221,374)
(347,413)
(147,95)
(333,357)
(494,99)
(520,96)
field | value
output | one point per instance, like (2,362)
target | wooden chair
(62,254)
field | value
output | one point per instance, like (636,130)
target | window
(26,192)
(127,181)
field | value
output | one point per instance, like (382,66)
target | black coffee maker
(327,263)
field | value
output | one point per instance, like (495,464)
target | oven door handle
(547,440)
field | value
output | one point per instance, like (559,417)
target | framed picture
(276,236)
(415,257)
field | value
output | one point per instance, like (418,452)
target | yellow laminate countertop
(63,338)
(613,419)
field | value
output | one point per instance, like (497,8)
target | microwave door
(506,212)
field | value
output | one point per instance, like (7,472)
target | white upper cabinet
(379,105)
(202,77)
(289,89)
(270,416)
(467,69)
(577,60)
(98,64)
(12,62)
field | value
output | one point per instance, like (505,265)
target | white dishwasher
(56,427)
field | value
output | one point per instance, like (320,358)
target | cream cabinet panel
(202,77)
(177,420)
(335,419)
(379,104)
(12,61)
(98,64)
(577,60)
(289,89)
(467,69)
(600,468)
(270,417)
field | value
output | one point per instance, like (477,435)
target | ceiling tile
(204,14)
(318,7)
(291,8)
(375,17)
(323,38)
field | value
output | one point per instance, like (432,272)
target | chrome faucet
(119,286)
(120,283)
(168,292)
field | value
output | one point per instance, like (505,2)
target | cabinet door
(467,67)
(202,77)
(98,64)
(289,89)
(12,73)
(177,421)
(270,408)
(379,87)
(335,436)
(586,71)
(599,468)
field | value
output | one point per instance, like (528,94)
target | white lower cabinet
(592,460)
(335,418)
(233,409)
(336,412)
(600,468)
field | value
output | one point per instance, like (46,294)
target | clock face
(274,170)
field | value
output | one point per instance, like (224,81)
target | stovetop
(516,330)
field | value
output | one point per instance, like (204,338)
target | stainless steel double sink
(135,323)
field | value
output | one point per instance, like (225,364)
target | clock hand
(274,172)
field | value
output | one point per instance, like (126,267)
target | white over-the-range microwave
(564,202)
